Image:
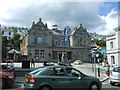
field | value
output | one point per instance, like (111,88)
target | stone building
(113,48)
(45,44)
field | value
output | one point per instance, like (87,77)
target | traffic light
(97,47)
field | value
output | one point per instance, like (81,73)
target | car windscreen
(116,69)
(36,71)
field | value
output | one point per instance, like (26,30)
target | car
(78,62)
(7,79)
(9,67)
(115,75)
(60,78)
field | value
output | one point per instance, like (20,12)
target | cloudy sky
(99,17)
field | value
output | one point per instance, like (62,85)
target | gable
(39,27)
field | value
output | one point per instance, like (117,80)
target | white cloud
(111,22)
(23,12)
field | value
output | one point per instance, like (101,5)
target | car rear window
(116,69)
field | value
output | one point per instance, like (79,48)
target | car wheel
(4,83)
(45,88)
(94,86)
(113,84)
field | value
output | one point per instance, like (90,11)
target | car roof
(115,66)
(60,66)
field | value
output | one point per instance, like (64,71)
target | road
(85,68)
(105,86)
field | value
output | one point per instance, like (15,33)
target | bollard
(98,72)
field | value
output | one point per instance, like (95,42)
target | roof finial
(80,25)
(33,23)
(39,19)
(46,24)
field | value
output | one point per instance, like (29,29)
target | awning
(13,51)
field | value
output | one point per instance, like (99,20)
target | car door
(58,79)
(76,79)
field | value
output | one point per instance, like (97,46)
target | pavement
(86,68)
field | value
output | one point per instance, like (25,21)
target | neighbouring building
(113,48)
(97,36)
(0,45)
(45,44)
(9,31)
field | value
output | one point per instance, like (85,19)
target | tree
(101,43)
(4,46)
(15,41)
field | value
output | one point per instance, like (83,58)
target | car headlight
(10,76)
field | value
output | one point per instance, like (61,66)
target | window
(69,55)
(9,37)
(111,45)
(42,54)
(55,55)
(36,53)
(39,40)
(57,71)
(9,33)
(2,32)
(113,59)
(72,72)
(116,69)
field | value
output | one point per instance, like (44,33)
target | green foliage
(101,43)
(4,42)
(13,42)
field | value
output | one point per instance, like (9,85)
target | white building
(113,48)
(9,31)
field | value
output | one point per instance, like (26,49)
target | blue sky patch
(107,7)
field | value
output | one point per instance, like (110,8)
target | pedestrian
(33,63)
(69,63)
(45,63)
(107,68)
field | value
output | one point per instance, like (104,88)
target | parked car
(9,67)
(78,62)
(59,77)
(115,75)
(7,79)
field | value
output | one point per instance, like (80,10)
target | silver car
(115,76)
